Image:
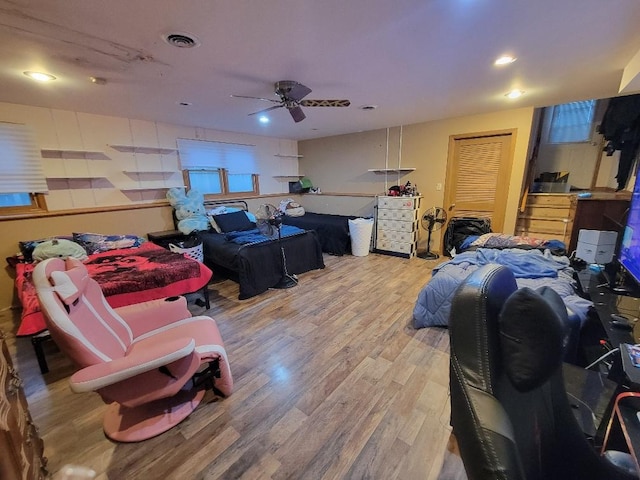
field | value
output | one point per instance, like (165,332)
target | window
(218,168)
(15,199)
(16,203)
(242,183)
(572,122)
(22,181)
(206,181)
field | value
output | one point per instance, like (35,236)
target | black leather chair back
(509,409)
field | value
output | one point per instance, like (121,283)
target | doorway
(478,173)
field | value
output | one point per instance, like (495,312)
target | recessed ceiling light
(263,119)
(98,80)
(39,76)
(515,93)
(505,60)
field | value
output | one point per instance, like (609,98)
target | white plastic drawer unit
(397,225)
(396,236)
(398,203)
(402,214)
(398,247)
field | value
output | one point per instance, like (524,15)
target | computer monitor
(629,254)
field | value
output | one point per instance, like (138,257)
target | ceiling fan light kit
(291,94)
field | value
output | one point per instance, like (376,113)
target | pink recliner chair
(151,362)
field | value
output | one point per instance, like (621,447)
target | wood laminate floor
(331,382)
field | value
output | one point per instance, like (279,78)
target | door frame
(512,132)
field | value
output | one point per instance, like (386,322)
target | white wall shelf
(75,154)
(165,172)
(135,149)
(132,189)
(73,177)
(391,170)
(288,156)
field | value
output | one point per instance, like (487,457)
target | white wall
(341,164)
(85,180)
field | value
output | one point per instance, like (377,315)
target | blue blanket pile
(532,268)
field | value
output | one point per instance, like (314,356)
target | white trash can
(360,231)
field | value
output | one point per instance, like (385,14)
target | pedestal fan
(269,222)
(433,219)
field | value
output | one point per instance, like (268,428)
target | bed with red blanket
(127,276)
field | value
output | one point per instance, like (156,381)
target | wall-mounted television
(629,255)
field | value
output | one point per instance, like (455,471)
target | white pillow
(60,248)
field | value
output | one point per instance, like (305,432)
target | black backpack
(460,228)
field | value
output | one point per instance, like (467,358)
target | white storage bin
(360,231)
(596,246)
(597,237)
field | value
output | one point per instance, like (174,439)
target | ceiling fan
(291,95)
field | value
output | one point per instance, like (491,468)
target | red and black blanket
(126,276)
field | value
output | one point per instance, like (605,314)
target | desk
(606,303)
(632,372)
(590,395)
(623,421)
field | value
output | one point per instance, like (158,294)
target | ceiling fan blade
(299,91)
(267,109)
(325,103)
(256,98)
(297,114)
(290,90)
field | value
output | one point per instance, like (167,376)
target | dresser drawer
(397,225)
(398,203)
(396,235)
(394,246)
(400,214)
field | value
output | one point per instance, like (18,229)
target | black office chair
(509,409)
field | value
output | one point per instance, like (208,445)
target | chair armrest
(146,316)
(102,375)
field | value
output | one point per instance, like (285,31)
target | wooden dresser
(21,448)
(560,216)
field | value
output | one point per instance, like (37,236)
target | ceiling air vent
(181,40)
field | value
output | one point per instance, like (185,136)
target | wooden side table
(164,238)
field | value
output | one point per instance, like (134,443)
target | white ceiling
(417,60)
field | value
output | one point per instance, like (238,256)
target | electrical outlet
(438,186)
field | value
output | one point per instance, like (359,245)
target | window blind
(571,122)
(202,154)
(20,161)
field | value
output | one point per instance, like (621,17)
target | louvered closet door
(478,172)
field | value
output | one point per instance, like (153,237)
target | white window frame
(554,111)
(221,159)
